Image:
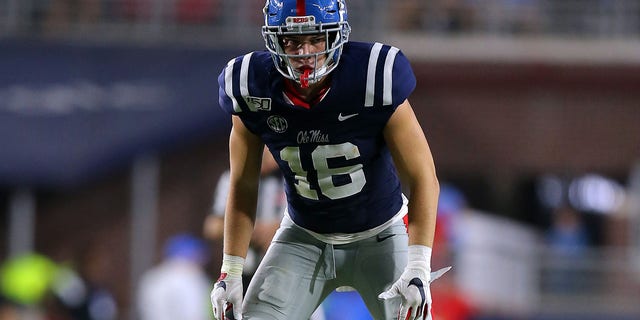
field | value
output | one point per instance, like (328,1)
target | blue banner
(69,112)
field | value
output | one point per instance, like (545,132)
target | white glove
(413,285)
(227,291)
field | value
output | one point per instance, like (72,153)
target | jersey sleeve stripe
(387,97)
(244,75)
(371,74)
(228,84)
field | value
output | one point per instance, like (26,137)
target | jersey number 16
(319,157)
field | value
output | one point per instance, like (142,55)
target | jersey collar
(291,93)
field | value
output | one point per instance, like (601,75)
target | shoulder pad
(390,79)
(242,79)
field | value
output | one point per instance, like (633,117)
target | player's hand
(413,285)
(413,288)
(227,296)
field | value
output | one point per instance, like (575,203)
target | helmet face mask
(291,18)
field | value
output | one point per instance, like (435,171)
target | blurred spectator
(568,241)
(522,16)
(269,212)
(57,17)
(32,286)
(451,303)
(457,15)
(407,15)
(449,16)
(95,301)
(178,287)
(37,14)
(567,235)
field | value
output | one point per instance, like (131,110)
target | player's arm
(414,162)
(245,155)
(413,159)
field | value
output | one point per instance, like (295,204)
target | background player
(270,206)
(335,116)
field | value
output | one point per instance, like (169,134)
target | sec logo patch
(277,123)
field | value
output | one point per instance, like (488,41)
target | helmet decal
(300,10)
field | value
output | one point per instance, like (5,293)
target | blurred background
(112,141)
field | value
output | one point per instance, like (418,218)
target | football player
(336,117)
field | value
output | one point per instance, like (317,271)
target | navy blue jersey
(339,174)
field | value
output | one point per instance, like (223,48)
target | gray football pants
(299,271)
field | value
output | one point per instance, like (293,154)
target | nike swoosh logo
(345,117)
(380,238)
(221,284)
(420,286)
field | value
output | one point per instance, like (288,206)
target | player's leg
(379,263)
(292,278)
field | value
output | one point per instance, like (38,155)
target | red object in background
(196,11)
(449,303)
